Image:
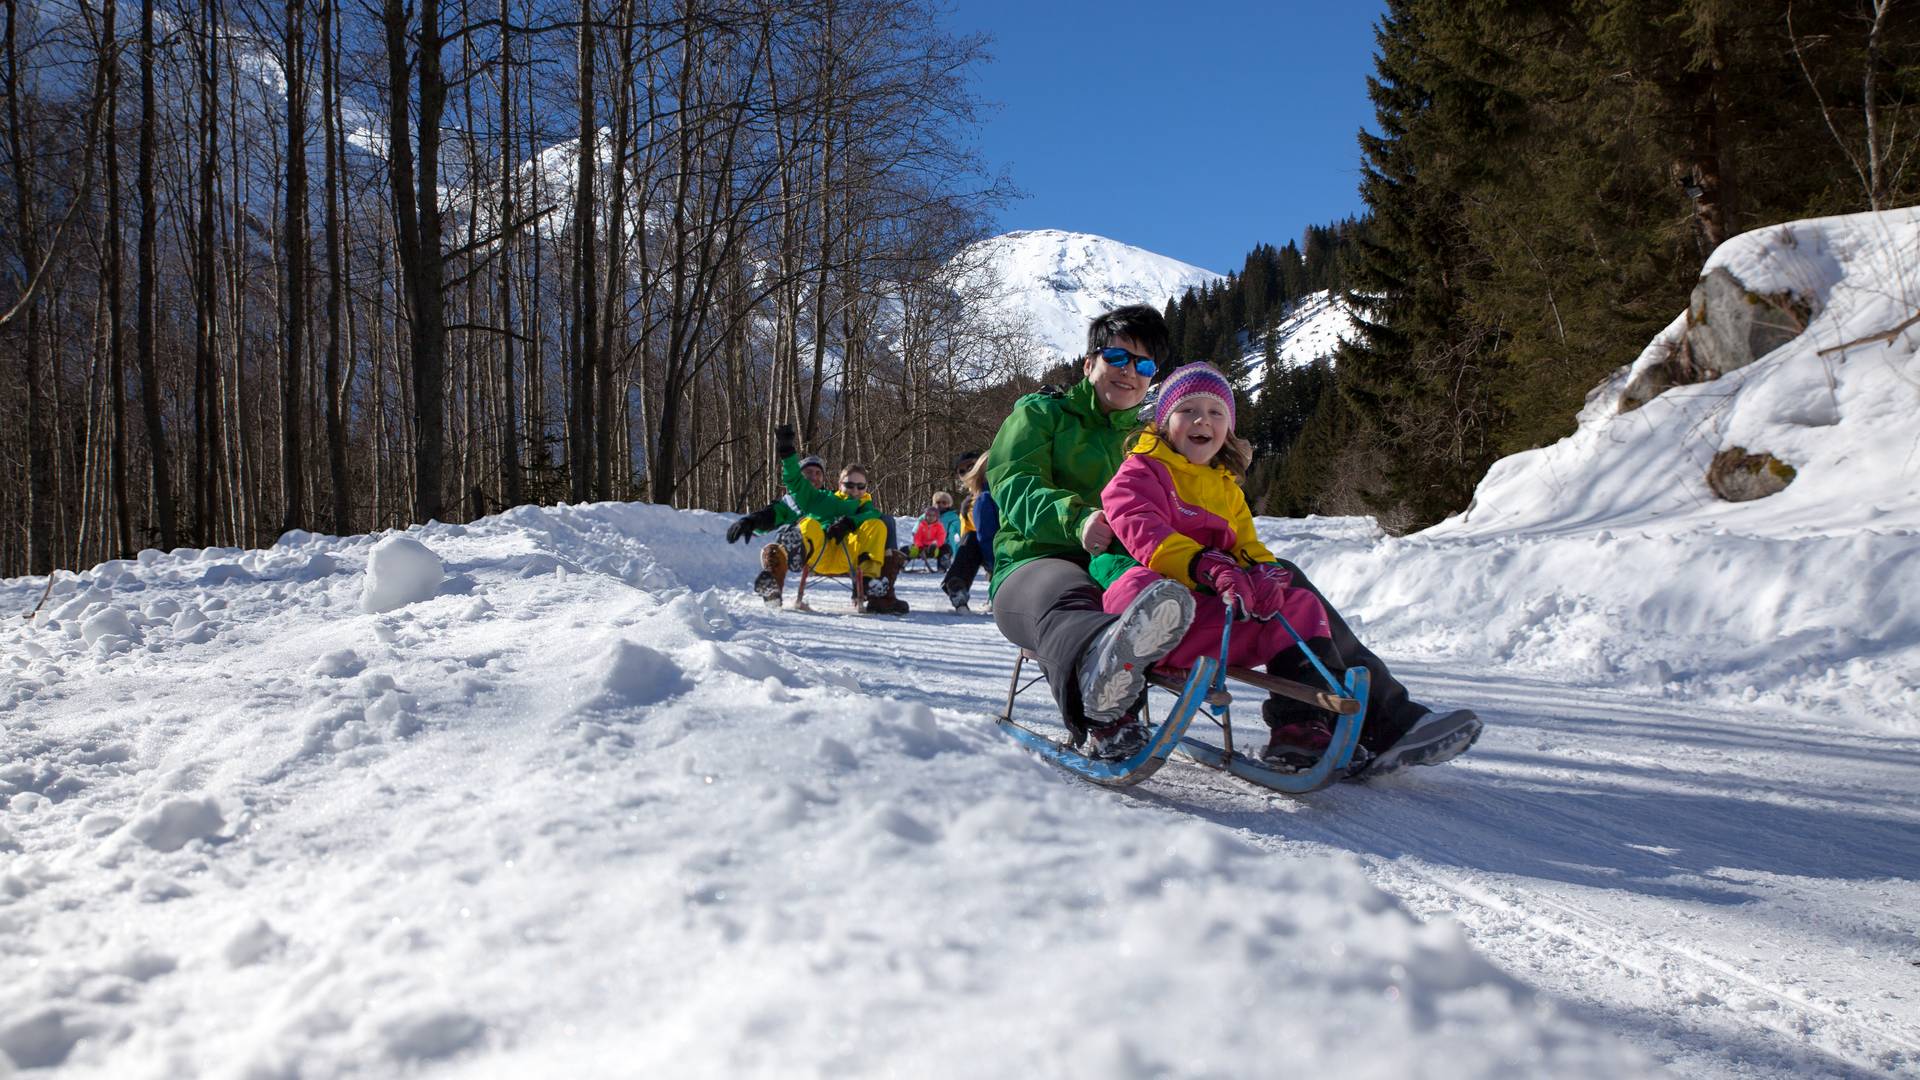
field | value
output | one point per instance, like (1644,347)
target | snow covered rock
(1738,476)
(1726,327)
(400,571)
(1730,326)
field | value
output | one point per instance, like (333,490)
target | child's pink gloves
(1270,583)
(1217,571)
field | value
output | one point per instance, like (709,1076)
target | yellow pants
(868,543)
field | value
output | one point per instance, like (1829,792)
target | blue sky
(1195,129)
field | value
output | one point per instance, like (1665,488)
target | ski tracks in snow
(1734,894)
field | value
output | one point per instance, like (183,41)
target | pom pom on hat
(1189,380)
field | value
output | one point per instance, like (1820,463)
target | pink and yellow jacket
(1166,510)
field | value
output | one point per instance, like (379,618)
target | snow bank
(1841,415)
(590,810)
(1606,558)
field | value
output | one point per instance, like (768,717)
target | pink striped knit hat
(1188,380)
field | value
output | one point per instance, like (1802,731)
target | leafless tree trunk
(585,348)
(148,314)
(417,220)
(336,271)
(39,427)
(292,405)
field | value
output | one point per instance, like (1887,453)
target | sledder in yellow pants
(835,529)
(867,543)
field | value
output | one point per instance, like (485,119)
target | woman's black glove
(840,529)
(784,445)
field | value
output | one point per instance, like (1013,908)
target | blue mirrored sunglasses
(1119,357)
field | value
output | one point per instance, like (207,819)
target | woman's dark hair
(1145,325)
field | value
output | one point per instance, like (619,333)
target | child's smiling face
(1198,427)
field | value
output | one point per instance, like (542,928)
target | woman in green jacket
(1049,462)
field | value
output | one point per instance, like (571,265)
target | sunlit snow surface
(592,810)
(577,804)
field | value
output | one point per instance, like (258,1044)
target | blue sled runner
(1205,688)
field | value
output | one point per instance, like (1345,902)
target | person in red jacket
(929,537)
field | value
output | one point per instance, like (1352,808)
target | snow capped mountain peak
(1056,281)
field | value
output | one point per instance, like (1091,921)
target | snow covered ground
(585,807)
(588,808)
(553,794)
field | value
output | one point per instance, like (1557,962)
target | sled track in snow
(1614,851)
(1501,916)
(1413,833)
(1820,1029)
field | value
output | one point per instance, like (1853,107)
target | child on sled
(1176,506)
(930,537)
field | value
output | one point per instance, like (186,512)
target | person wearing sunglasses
(839,533)
(1048,465)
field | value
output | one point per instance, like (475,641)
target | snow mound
(1606,558)
(400,571)
(630,674)
(177,822)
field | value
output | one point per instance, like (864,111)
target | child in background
(952,521)
(1176,506)
(929,536)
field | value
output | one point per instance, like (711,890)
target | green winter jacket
(825,507)
(1049,462)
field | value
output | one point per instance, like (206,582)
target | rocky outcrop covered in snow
(1728,326)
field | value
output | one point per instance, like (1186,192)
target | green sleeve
(823,506)
(1022,480)
(1107,567)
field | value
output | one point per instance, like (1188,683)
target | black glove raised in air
(784,445)
(759,521)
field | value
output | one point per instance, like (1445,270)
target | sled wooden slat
(1177,680)
(1287,688)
